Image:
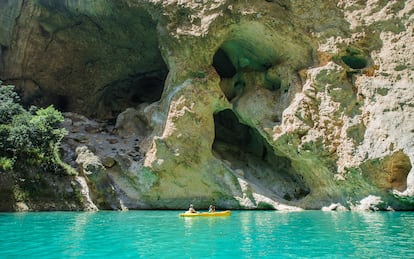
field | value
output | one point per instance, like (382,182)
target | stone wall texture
(255,104)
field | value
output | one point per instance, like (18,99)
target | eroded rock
(369,203)
(245,104)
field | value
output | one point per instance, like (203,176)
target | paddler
(191,209)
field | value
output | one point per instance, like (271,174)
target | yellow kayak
(206,214)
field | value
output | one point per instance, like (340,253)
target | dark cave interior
(244,148)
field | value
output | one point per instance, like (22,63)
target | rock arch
(246,151)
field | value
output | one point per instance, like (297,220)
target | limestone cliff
(278,104)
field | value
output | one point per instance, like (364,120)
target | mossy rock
(356,132)
(265,206)
(355,58)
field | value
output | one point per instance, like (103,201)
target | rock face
(282,105)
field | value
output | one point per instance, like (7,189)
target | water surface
(245,234)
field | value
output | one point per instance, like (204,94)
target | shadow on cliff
(253,160)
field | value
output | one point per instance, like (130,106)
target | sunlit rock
(369,203)
(245,104)
(334,207)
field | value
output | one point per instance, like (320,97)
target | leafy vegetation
(28,137)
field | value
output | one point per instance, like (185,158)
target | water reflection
(76,232)
(203,237)
(188,223)
(246,232)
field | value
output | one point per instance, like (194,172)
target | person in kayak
(212,209)
(191,209)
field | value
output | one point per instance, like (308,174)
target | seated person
(212,208)
(191,209)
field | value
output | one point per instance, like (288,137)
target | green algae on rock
(248,104)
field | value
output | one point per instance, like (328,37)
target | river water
(244,234)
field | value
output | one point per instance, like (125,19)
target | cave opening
(224,67)
(99,68)
(223,64)
(355,58)
(147,90)
(134,90)
(61,103)
(239,56)
(355,62)
(245,149)
(142,58)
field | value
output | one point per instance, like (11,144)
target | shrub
(29,138)
(6,164)
(9,104)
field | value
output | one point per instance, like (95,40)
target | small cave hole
(355,61)
(265,66)
(147,90)
(245,149)
(229,84)
(355,58)
(223,64)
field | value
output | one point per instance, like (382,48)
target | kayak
(206,214)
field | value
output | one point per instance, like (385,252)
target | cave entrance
(245,149)
(226,70)
(134,90)
(61,103)
(141,57)
(223,65)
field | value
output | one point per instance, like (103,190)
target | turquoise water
(245,234)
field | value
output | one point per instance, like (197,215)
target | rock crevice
(245,104)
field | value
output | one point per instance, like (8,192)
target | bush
(9,104)
(28,138)
(6,164)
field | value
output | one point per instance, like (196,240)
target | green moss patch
(265,206)
(245,54)
(382,91)
(400,67)
(357,133)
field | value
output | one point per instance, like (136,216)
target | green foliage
(27,138)
(9,106)
(382,91)
(6,164)
(20,194)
